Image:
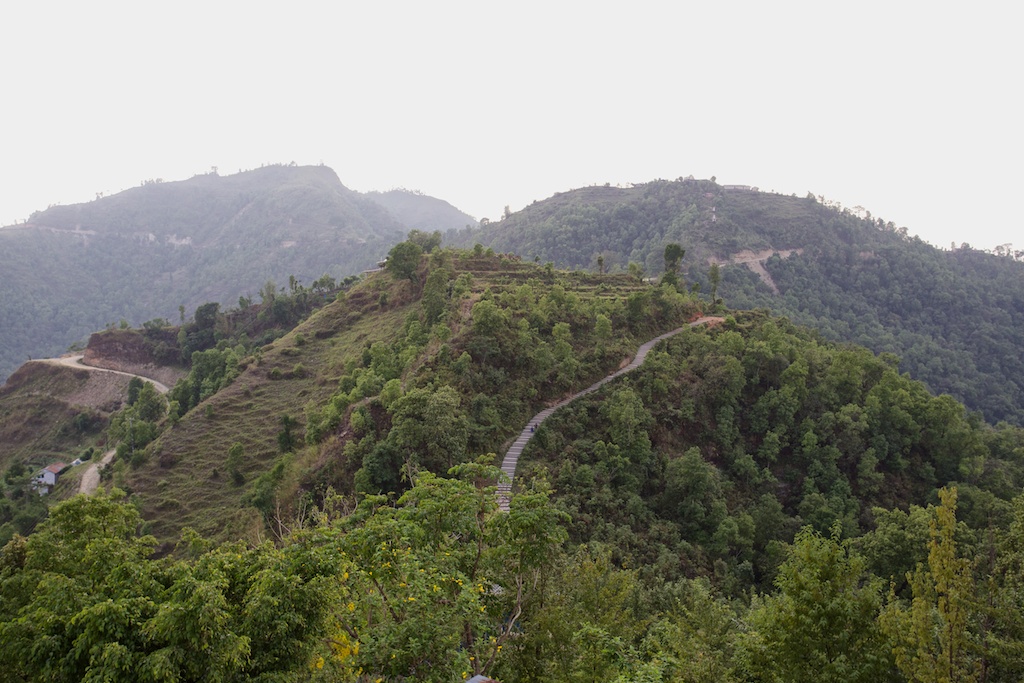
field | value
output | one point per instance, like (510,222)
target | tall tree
(673,257)
(821,625)
(714,277)
(933,637)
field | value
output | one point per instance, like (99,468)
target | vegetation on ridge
(956,319)
(753,504)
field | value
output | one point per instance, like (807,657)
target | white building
(47,478)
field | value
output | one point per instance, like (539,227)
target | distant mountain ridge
(422,212)
(142,253)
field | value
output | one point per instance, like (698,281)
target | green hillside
(956,319)
(754,503)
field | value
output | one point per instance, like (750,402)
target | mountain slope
(956,319)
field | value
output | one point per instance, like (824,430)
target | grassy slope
(185,481)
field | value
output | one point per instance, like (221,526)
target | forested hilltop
(140,254)
(955,318)
(752,504)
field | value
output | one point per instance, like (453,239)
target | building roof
(56,467)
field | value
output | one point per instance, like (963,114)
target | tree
(441,578)
(206,315)
(84,601)
(134,386)
(602,331)
(426,241)
(435,294)
(404,260)
(693,496)
(236,455)
(673,256)
(430,428)
(285,438)
(714,277)
(150,405)
(1004,588)
(933,638)
(821,625)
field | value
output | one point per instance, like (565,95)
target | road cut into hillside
(91,477)
(508,463)
(75,361)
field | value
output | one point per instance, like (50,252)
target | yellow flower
(351,607)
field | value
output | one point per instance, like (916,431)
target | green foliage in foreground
(439,586)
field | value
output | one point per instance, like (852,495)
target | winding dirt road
(91,477)
(508,464)
(76,362)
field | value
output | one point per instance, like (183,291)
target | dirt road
(76,362)
(91,479)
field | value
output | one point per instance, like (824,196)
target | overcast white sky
(912,110)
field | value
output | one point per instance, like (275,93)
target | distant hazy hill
(956,319)
(422,212)
(141,253)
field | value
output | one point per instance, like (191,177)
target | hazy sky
(910,109)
